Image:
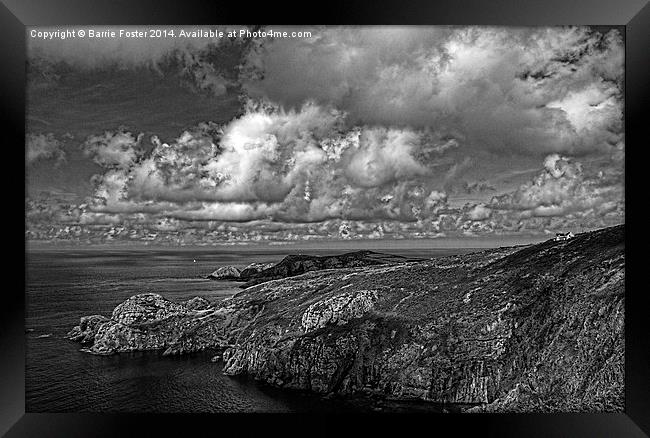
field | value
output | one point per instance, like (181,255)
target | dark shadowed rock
(251,270)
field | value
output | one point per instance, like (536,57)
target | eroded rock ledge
(536,328)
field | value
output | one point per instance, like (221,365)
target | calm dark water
(65,284)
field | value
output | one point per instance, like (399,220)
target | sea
(65,283)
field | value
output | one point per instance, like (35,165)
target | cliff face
(538,328)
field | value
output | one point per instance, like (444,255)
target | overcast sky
(356,131)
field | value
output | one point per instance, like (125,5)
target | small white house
(564,236)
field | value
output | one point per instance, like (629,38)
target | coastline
(338,331)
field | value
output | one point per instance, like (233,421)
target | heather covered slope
(536,328)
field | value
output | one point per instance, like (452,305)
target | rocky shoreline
(535,328)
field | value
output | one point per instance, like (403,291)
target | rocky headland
(297,264)
(534,328)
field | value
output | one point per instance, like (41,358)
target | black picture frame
(632,15)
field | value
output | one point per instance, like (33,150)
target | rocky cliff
(150,322)
(536,328)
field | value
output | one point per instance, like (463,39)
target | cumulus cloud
(563,195)
(112,149)
(369,133)
(304,166)
(563,188)
(479,212)
(530,90)
(289,165)
(43,147)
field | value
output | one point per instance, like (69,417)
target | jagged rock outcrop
(87,329)
(145,308)
(225,273)
(535,328)
(150,322)
(338,309)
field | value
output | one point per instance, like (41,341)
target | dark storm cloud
(205,64)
